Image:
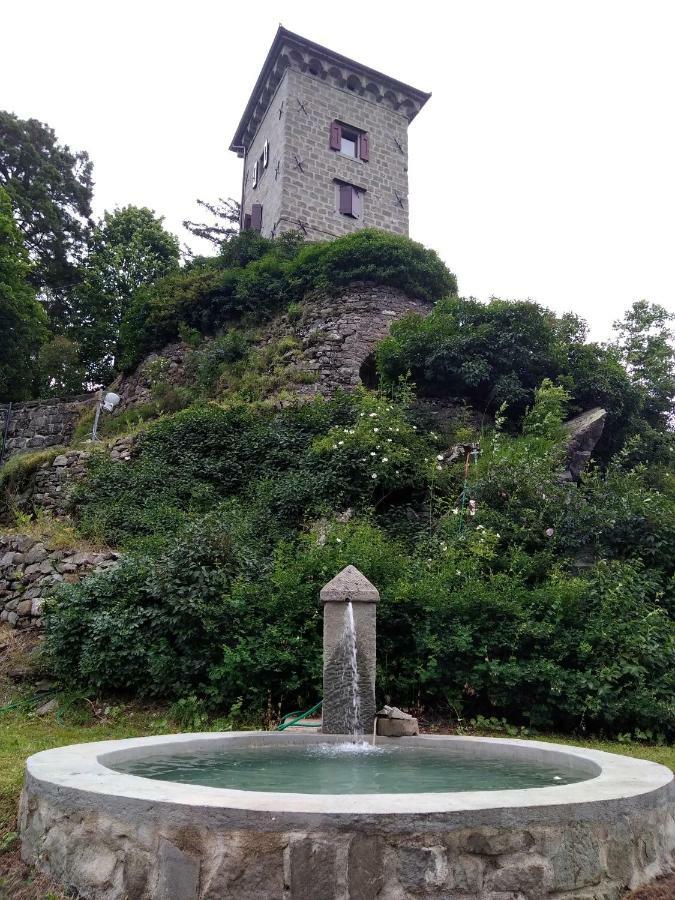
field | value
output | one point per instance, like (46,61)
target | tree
(226,214)
(23,322)
(645,341)
(129,249)
(60,371)
(51,188)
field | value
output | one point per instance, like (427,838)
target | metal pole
(96,417)
(5,430)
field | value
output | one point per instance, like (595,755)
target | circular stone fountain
(608,823)
(279,816)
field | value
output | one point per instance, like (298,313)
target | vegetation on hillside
(508,595)
(255,277)
(234,517)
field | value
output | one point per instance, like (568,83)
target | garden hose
(288,720)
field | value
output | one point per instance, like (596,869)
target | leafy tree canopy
(129,249)
(495,353)
(646,344)
(50,187)
(23,322)
(60,371)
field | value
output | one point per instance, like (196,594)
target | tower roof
(292,50)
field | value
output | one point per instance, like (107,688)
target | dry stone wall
(51,484)
(29,570)
(337,335)
(135,389)
(42,423)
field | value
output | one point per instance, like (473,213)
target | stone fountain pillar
(349,585)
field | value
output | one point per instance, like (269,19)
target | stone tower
(324,141)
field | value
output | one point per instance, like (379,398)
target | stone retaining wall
(135,389)
(42,423)
(29,569)
(339,334)
(49,487)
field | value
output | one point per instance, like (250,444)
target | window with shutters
(349,141)
(349,199)
(261,164)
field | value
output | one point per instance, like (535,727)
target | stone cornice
(290,50)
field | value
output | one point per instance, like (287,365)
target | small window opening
(349,143)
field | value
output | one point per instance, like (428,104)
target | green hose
(295,718)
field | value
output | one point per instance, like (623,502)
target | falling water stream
(355,728)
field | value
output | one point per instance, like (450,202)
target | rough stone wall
(135,389)
(298,187)
(338,334)
(51,484)
(42,423)
(106,856)
(29,569)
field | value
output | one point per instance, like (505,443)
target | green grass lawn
(22,734)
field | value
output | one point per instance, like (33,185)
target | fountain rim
(79,771)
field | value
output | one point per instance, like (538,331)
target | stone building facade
(324,143)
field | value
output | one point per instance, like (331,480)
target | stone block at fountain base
(397,727)
(393,722)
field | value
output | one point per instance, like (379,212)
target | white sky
(543,166)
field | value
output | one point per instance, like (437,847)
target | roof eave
(284,34)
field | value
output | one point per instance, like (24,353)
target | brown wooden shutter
(247,221)
(335,136)
(364,147)
(346,199)
(256,216)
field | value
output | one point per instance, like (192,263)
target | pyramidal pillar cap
(349,585)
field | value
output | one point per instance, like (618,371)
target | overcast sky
(543,166)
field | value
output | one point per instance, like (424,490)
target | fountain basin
(112,835)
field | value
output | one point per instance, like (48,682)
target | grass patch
(22,735)
(18,468)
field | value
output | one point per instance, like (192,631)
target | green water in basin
(346,769)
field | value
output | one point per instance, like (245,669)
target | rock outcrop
(584,432)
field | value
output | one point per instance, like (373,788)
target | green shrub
(545,604)
(498,353)
(212,618)
(257,277)
(374,257)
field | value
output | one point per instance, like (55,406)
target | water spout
(355,726)
(349,602)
